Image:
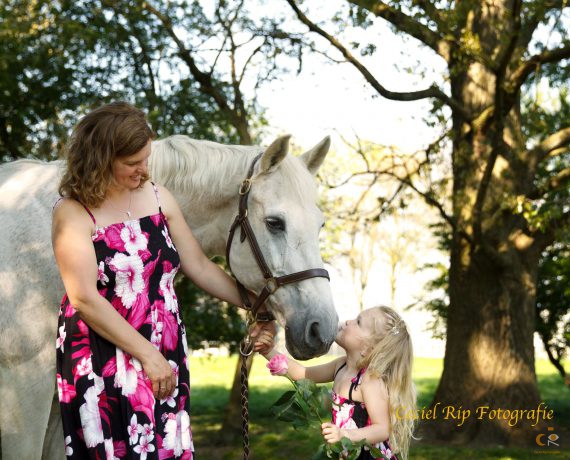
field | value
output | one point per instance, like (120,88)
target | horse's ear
(314,158)
(274,154)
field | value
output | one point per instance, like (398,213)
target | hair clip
(395,330)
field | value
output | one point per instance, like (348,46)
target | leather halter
(272,283)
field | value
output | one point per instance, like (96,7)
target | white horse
(204,177)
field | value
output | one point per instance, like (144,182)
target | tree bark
(489,354)
(232,424)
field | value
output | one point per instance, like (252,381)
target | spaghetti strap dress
(107,405)
(350,414)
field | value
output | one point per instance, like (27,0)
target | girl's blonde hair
(390,358)
(113,130)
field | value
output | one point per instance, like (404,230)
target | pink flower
(278,365)
(133,237)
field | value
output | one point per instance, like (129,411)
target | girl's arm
(318,374)
(375,397)
(75,257)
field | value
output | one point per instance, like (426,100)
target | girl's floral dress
(106,400)
(350,414)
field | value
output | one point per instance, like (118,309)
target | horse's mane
(196,168)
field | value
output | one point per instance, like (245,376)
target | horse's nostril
(313,334)
(315,329)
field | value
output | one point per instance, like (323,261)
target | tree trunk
(232,425)
(489,354)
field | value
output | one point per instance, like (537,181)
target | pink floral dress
(107,405)
(350,414)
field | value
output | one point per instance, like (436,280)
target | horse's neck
(208,195)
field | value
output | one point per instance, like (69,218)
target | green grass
(270,439)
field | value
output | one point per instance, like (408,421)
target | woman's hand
(160,374)
(332,433)
(264,342)
(263,333)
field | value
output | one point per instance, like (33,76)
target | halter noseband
(272,283)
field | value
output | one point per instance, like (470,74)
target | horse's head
(286,220)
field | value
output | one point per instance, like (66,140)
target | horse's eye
(275,224)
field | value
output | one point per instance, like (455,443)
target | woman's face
(128,171)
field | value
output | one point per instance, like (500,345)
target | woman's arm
(204,273)
(75,257)
(375,397)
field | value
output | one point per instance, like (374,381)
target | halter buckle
(271,285)
(245,187)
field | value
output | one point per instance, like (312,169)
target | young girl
(372,389)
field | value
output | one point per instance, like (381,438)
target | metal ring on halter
(245,345)
(271,284)
(245,187)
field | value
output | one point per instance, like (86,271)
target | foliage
(301,408)
(553,302)
(37,79)
(173,59)
(211,322)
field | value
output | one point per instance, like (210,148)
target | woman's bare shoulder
(68,210)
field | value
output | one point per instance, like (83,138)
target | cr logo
(550,439)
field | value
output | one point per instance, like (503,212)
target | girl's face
(128,171)
(355,334)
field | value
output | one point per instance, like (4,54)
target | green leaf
(284,398)
(376,452)
(321,453)
(283,404)
(336,447)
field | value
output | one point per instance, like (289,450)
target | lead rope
(245,350)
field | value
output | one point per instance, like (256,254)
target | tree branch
(428,198)
(432,91)
(434,13)
(207,86)
(555,182)
(544,238)
(520,74)
(407,24)
(552,143)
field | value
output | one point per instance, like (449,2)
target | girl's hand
(160,374)
(332,433)
(264,342)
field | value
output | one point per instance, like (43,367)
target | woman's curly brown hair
(114,130)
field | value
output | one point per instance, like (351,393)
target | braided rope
(245,350)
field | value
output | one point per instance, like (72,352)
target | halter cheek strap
(272,283)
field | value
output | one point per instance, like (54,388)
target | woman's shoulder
(69,210)
(65,205)
(167,201)
(162,190)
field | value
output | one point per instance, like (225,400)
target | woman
(119,240)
